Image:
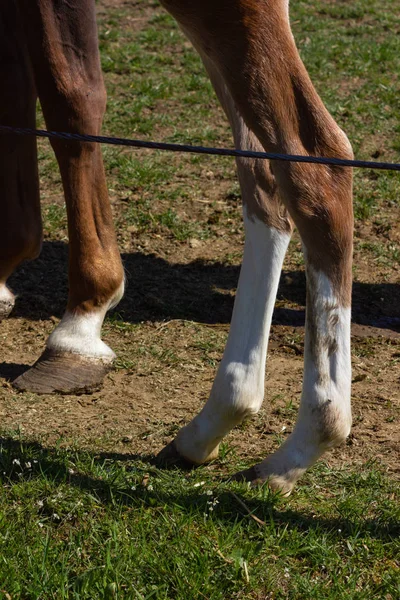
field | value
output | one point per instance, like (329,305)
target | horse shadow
(54,464)
(201,291)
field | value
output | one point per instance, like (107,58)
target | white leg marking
(238,389)
(7,301)
(80,333)
(324,418)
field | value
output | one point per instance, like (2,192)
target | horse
(49,50)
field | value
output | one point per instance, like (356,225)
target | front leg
(62,40)
(252,47)
(238,389)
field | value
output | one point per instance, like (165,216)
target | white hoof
(7,301)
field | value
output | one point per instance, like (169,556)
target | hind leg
(20,225)
(253,49)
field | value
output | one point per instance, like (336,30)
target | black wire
(320,160)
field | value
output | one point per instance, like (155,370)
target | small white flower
(199,483)
(71,471)
(133,487)
(40,525)
(150,487)
(28,465)
(209,492)
(16,462)
(39,503)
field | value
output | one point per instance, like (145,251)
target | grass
(82,525)
(77,524)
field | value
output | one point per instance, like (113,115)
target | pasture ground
(83,514)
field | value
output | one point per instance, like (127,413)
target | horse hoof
(248,476)
(65,373)
(7,301)
(257,478)
(169,456)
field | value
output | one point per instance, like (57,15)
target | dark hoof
(257,478)
(248,476)
(170,457)
(64,373)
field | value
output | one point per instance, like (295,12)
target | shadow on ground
(54,465)
(198,291)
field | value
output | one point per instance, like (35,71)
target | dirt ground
(169,333)
(178,310)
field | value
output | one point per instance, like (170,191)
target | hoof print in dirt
(63,373)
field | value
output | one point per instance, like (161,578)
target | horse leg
(252,47)
(62,40)
(20,225)
(238,389)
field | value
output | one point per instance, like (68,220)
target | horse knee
(77,107)
(87,105)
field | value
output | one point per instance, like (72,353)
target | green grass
(81,525)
